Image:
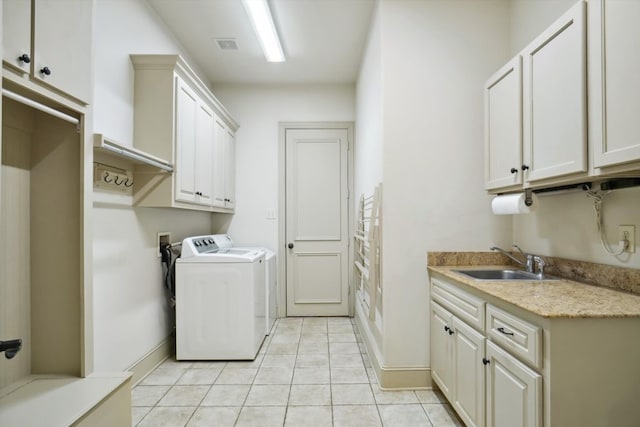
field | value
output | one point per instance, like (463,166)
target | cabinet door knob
(46,71)
(504,331)
(24,58)
(485,361)
(290,245)
(446,328)
(514,170)
(524,167)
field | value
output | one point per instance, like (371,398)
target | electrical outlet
(164,237)
(628,232)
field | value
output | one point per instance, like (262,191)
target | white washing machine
(220,301)
(271,274)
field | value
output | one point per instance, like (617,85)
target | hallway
(309,372)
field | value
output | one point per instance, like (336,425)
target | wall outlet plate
(164,237)
(628,232)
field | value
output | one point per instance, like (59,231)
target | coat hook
(128,183)
(115,180)
(106,177)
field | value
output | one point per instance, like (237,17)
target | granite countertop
(552,299)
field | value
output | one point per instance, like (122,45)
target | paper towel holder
(528,198)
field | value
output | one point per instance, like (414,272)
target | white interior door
(317,222)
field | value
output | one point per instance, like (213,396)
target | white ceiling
(323,40)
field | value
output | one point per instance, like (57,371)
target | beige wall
(369,114)
(259,109)
(528,18)
(436,57)
(131,313)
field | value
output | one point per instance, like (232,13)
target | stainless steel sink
(502,275)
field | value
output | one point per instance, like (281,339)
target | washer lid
(225,256)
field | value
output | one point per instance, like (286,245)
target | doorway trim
(282,220)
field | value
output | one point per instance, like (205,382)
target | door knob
(290,245)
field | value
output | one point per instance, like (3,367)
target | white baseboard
(390,378)
(152,359)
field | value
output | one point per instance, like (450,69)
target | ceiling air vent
(227,44)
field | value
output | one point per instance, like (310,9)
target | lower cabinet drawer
(519,337)
(464,305)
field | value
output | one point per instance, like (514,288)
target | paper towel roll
(511,204)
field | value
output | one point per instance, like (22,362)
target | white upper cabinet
(614,82)
(554,93)
(194,147)
(503,126)
(178,118)
(535,110)
(16,34)
(60,32)
(224,175)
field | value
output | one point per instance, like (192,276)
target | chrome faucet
(530,259)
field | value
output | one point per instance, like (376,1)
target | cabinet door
(441,349)
(554,72)
(503,126)
(614,81)
(186,113)
(469,371)
(230,169)
(16,33)
(63,42)
(514,392)
(219,138)
(204,155)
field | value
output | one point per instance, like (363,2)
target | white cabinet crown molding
(176,62)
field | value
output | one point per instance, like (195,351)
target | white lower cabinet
(457,364)
(501,365)
(485,385)
(441,349)
(469,386)
(514,392)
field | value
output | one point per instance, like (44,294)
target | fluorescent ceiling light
(262,22)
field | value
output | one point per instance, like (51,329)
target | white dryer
(220,301)
(271,275)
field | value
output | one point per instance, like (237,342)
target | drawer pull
(485,361)
(503,331)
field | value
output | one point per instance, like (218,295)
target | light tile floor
(310,372)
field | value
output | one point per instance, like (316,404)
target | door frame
(282,220)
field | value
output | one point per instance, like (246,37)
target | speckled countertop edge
(558,298)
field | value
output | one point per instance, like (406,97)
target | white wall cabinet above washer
(194,147)
(52,45)
(224,167)
(176,117)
